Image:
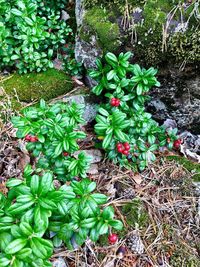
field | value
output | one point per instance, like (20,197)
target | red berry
(33,139)
(177,143)
(125,152)
(113,101)
(28,137)
(119,145)
(65,154)
(112,238)
(120,149)
(117,102)
(127,146)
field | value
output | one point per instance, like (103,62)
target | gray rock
(85,52)
(91,108)
(65,16)
(95,154)
(178,99)
(79,11)
(60,263)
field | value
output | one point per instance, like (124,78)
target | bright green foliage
(31,31)
(71,66)
(34,207)
(56,130)
(129,122)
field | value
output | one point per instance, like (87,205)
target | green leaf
(14,57)
(41,138)
(24,253)
(41,248)
(108,213)
(19,207)
(16,12)
(107,140)
(24,198)
(57,242)
(28,21)
(88,223)
(120,135)
(139,89)
(14,182)
(26,228)
(111,74)
(153,147)
(94,235)
(16,246)
(5,239)
(99,198)
(4,261)
(103,229)
(45,183)
(116,224)
(34,184)
(58,150)
(111,58)
(47,204)
(103,112)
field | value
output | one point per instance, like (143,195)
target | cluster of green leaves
(129,122)
(31,33)
(34,207)
(56,129)
(70,64)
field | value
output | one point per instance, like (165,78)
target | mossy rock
(97,22)
(34,86)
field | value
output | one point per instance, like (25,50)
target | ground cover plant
(34,206)
(130,135)
(52,132)
(31,33)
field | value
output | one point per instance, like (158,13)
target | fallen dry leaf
(137,178)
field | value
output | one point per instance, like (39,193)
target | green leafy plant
(52,134)
(130,135)
(31,33)
(34,207)
(70,64)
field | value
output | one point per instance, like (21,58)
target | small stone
(95,154)
(59,263)
(93,169)
(65,16)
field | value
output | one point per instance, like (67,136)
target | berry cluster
(65,154)
(123,148)
(115,102)
(31,138)
(177,143)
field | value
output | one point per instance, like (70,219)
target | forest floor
(159,207)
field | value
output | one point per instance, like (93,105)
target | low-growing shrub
(34,207)
(130,135)
(51,132)
(31,32)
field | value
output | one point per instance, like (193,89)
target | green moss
(96,21)
(189,165)
(33,86)
(135,213)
